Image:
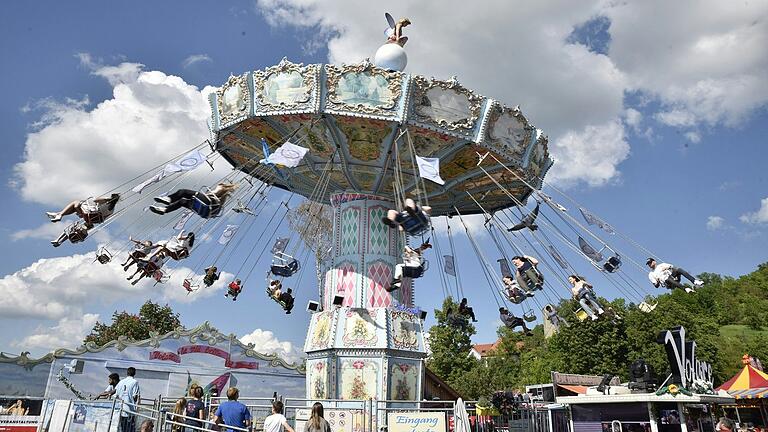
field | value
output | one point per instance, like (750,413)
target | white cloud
(46,231)
(265,342)
(502,49)
(56,288)
(194,59)
(77,152)
(68,332)
(633,117)
(705,61)
(693,136)
(590,155)
(715,223)
(759,216)
(561,87)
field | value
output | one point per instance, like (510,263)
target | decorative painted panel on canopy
(364,126)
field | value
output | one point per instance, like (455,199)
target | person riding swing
(414,220)
(668,276)
(211,276)
(550,313)
(177,247)
(285,299)
(75,233)
(207,204)
(234,289)
(140,251)
(512,290)
(583,292)
(511,321)
(527,273)
(413,265)
(148,268)
(91,210)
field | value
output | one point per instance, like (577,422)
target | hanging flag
(557,257)
(187,162)
(143,185)
(594,220)
(448,266)
(265,150)
(280,244)
(504,267)
(232,380)
(183,221)
(589,250)
(228,233)
(288,155)
(429,168)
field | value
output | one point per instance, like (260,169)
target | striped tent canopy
(753,393)
(748,383)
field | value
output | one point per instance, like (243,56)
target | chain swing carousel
(368,128)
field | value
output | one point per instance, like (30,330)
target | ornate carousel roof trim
(204,332)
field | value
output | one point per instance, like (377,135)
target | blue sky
(658,142)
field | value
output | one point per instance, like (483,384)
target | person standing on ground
(277,422)
(128,391)
(232,412)
(110,390)
(316,421)
(195,409)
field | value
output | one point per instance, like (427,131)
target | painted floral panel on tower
(358,378)
(403,380)
(405,329)
(360,328)
(317,372)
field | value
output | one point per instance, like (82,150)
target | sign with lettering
(416,422)
(686,368)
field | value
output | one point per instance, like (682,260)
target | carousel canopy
(356,117)
(747,384)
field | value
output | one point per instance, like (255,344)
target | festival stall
(684,402)
(750,388)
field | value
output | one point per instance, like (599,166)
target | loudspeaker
(338,300)
(423,315)
(313,306)
(604,383)
(641,376)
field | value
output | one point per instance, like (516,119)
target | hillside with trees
(727,318)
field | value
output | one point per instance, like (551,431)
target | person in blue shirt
(129,392)
(232,412)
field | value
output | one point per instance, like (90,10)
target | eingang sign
(686,368)
(416,422)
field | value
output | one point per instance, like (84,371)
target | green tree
(450,341)
(152,318)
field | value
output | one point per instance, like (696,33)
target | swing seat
(645,307)
(208,280)
(529,316)
(187,284)
(414,224)
(206,210)
(581,314)
(77,233)
(234,292)
(159,276)
(612,264)
(178,255)
(415,272)
(103,258)
(514,298)
(285,270)
(276,300)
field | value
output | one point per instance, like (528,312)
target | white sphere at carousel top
(391,56)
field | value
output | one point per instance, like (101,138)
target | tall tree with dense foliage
(152,317)
(450,341)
